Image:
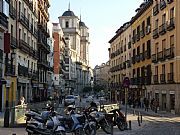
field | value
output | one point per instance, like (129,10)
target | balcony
(31,5)
(162,4)
(10,70)
(156,9)
(12,12)
(13,42)
(3,20)
(160,56)
(169,53)
(129,45)
(148,29)
(154,59)
(148,54)
(162,78)
(43,63)
(162,29)
(138,36)
(171,77)
(23,46)
(171,24)
(155,33)
(133,39)
(155,78)
(22,71)
(142,33)
(24,21)
(34,75)
(43,44)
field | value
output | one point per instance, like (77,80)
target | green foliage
(87,89)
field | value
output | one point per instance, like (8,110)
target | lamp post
(92,85)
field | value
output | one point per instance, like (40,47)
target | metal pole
(6,113)
(126,104)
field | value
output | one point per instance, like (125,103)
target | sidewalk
(150,112)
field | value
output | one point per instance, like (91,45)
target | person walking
(156,105)
(146,105)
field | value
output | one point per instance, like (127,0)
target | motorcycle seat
(39,119)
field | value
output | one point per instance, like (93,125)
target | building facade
(43,48)
(165,55)
(101,75)
(3,28)
(154,65)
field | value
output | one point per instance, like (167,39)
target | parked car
(69,100)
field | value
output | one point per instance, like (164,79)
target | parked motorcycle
(73,122)
(45,124)
(119,119)
(100,120)
(89,125)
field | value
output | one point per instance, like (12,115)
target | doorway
(163,102)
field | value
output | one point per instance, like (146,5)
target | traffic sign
(126,82)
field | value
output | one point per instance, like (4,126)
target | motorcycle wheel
(121,126)
(61,133)
(79,131)
(106,127)
(90,130)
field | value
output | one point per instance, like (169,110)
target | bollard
(138,121)
(130,125)
(111,129)
(141,118)
(134,112)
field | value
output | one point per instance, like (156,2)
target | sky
(102,17)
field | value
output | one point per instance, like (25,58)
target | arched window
(67,24)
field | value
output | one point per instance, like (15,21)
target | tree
(87,89)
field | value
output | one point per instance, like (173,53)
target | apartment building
(154,54)
(101,75)
(43,47)
(3,28)
(165,54)
(59,58)
(141,52)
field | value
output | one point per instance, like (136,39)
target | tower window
(67,24)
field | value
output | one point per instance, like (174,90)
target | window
(163,69)
(20,34)
(11,30)
(19,7)
(148,21)
(28,41)
(156,47)
(25,37)
(156,70)
(163,44)
(171,67)
(156,23)
(163,18)
(172,12)
(172,40)
(67,24)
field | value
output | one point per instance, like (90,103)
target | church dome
(68,13)
(82,24)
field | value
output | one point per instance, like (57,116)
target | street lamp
(92,85)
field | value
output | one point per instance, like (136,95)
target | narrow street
(152,124)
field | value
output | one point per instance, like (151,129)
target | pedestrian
(156,105)
(21,101)
(146,104)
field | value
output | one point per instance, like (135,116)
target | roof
(82,24)
(68,13)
